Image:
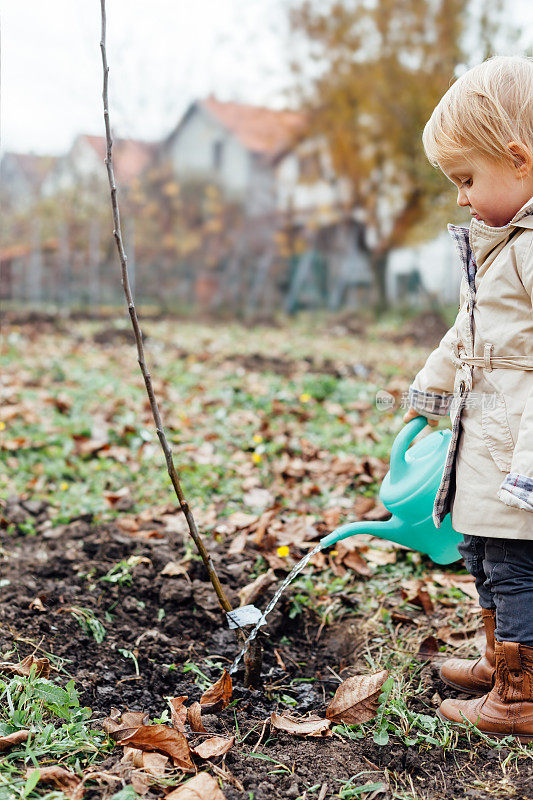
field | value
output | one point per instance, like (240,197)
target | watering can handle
(401,443)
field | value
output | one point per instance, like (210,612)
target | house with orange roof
(84,163)
(235,146)
(21,178)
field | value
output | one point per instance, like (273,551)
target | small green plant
(60,730)
(129,654)
(348,791)
(200,678)
(88,622)
(122,573)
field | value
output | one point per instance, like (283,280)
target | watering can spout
(392,529)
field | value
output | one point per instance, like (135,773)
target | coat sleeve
(431,392)
(517,488)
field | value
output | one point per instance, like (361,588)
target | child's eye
(467,182)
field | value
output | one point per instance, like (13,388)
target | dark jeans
(503,570)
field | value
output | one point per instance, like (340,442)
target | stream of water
(290,577)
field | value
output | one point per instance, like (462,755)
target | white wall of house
(204,149)
(81,164)
(437,263)
(15,188)
(306,183)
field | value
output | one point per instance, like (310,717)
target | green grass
(213,413)
(61,732)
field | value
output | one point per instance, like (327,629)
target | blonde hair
(485,109)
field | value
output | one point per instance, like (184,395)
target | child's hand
(412,413)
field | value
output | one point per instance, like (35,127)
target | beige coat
(482,374)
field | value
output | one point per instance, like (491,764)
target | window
(309,167)
(218,152)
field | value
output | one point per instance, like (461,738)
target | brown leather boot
(474,677)
(508,708)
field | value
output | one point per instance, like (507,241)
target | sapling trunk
(254,662)
(117,233)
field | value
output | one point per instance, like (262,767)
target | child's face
(493,192)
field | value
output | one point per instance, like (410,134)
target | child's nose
(462,199)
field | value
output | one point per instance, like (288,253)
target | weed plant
(60,730)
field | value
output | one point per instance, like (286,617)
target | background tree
(370,74)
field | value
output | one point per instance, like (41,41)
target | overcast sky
(162,54)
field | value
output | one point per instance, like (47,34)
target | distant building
(429,270)
(307,186)
(84,163)
(234,146)
(21,178)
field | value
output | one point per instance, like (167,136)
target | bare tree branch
(117,233)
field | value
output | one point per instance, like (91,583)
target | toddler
(481,136)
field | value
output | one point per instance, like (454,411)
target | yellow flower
(2,426)
(305,398)
(283,551)
(256,458)
(258,438)
(63,486)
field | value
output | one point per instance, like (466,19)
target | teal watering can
(408,491)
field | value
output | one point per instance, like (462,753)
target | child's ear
(522,157)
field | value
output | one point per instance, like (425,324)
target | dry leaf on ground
(178,712)
(465,583)
(218,695)
(312,726)
(12,739)
(194,718)
(39,666)
(356,699)
(249,593)
(173,569)
(349,555)
(201,787)
(157,737)
(380,557)
(429,648)
(134,719)
(63,779)
(154,763)
(213,747)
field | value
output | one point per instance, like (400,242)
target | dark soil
(63,566)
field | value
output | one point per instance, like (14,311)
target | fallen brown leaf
(423,600)
(128,524)
(380,556)
(12,739)
(397,616)
(429,648)
(194,718)
(213,747)
(349,555)
(154,763)
(378,513)
(133,719)
(218,695)
(252,591)
(178,712)
(465,583)
(37,604)
(30,664)
(201,787)
(160,738)
(312,726)
(65,780)
(134,756)
(356,699)
(174,569)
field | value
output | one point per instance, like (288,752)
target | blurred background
(267,152)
